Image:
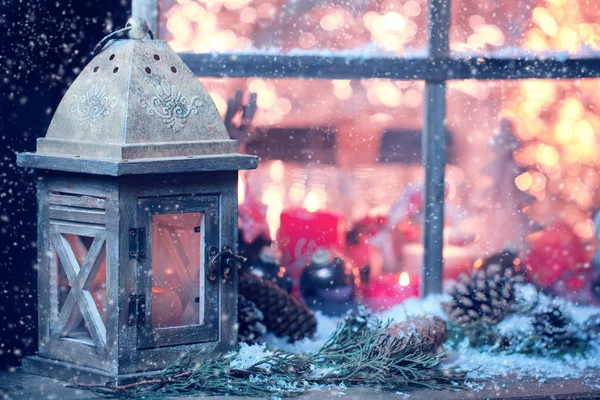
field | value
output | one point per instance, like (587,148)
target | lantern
(137,219)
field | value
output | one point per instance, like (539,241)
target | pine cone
(485,297)
(283,314)
(551,324)
(506,259)
(592,326)
(429,331)
(557,333)
(250,327)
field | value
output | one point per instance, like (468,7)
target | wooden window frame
(435,69)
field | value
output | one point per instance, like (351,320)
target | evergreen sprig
(360,352)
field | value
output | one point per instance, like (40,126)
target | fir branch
(360,352)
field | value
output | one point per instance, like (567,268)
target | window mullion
(147,9)
(434,151)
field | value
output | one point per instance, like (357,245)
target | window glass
(519,27)
(340,168)
(394,27)
(531,162)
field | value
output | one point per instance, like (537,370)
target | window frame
(435,69)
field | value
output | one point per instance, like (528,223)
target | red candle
(388,290)
(301,232)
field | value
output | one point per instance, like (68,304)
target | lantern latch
(137,243)
(226,259)
(137,310)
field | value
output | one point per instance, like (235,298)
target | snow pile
(515,325)
(483,363)
(249,355)
(488,363)
(413,307)
(326,325)
(369,50)
(515,52)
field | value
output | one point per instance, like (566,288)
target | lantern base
(74,373)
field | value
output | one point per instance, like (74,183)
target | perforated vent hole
(148,70)
(115,70)
(156,57)
(112,57)
(173,69)
(96,69)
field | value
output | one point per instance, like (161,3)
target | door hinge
(137,243)
(136,315)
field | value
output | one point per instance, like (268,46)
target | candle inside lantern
(167,310)
(176,268)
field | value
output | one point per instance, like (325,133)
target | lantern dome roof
(136,99)
(136,102)
(136,108)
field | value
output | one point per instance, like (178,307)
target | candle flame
(313,202)
(273,197)
(404,279)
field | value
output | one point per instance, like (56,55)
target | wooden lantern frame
(135,136)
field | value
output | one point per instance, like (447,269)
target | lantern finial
(138,28)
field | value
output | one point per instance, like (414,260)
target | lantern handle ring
(136,28)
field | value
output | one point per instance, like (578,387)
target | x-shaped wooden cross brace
(80,280)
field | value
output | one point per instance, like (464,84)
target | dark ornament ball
(327,279)
(251,251)
(266,267)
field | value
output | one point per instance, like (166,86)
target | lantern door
(177,302)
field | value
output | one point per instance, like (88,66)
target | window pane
(531,162)
(177,269)
(512,27)
(326,131)
(395,27)
(340,168)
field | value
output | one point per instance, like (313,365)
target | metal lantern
(137,218)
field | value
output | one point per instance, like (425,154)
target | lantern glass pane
(365,27)
(91,293)
(177,268)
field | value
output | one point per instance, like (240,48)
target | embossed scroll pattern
(171,106)
(94,104)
